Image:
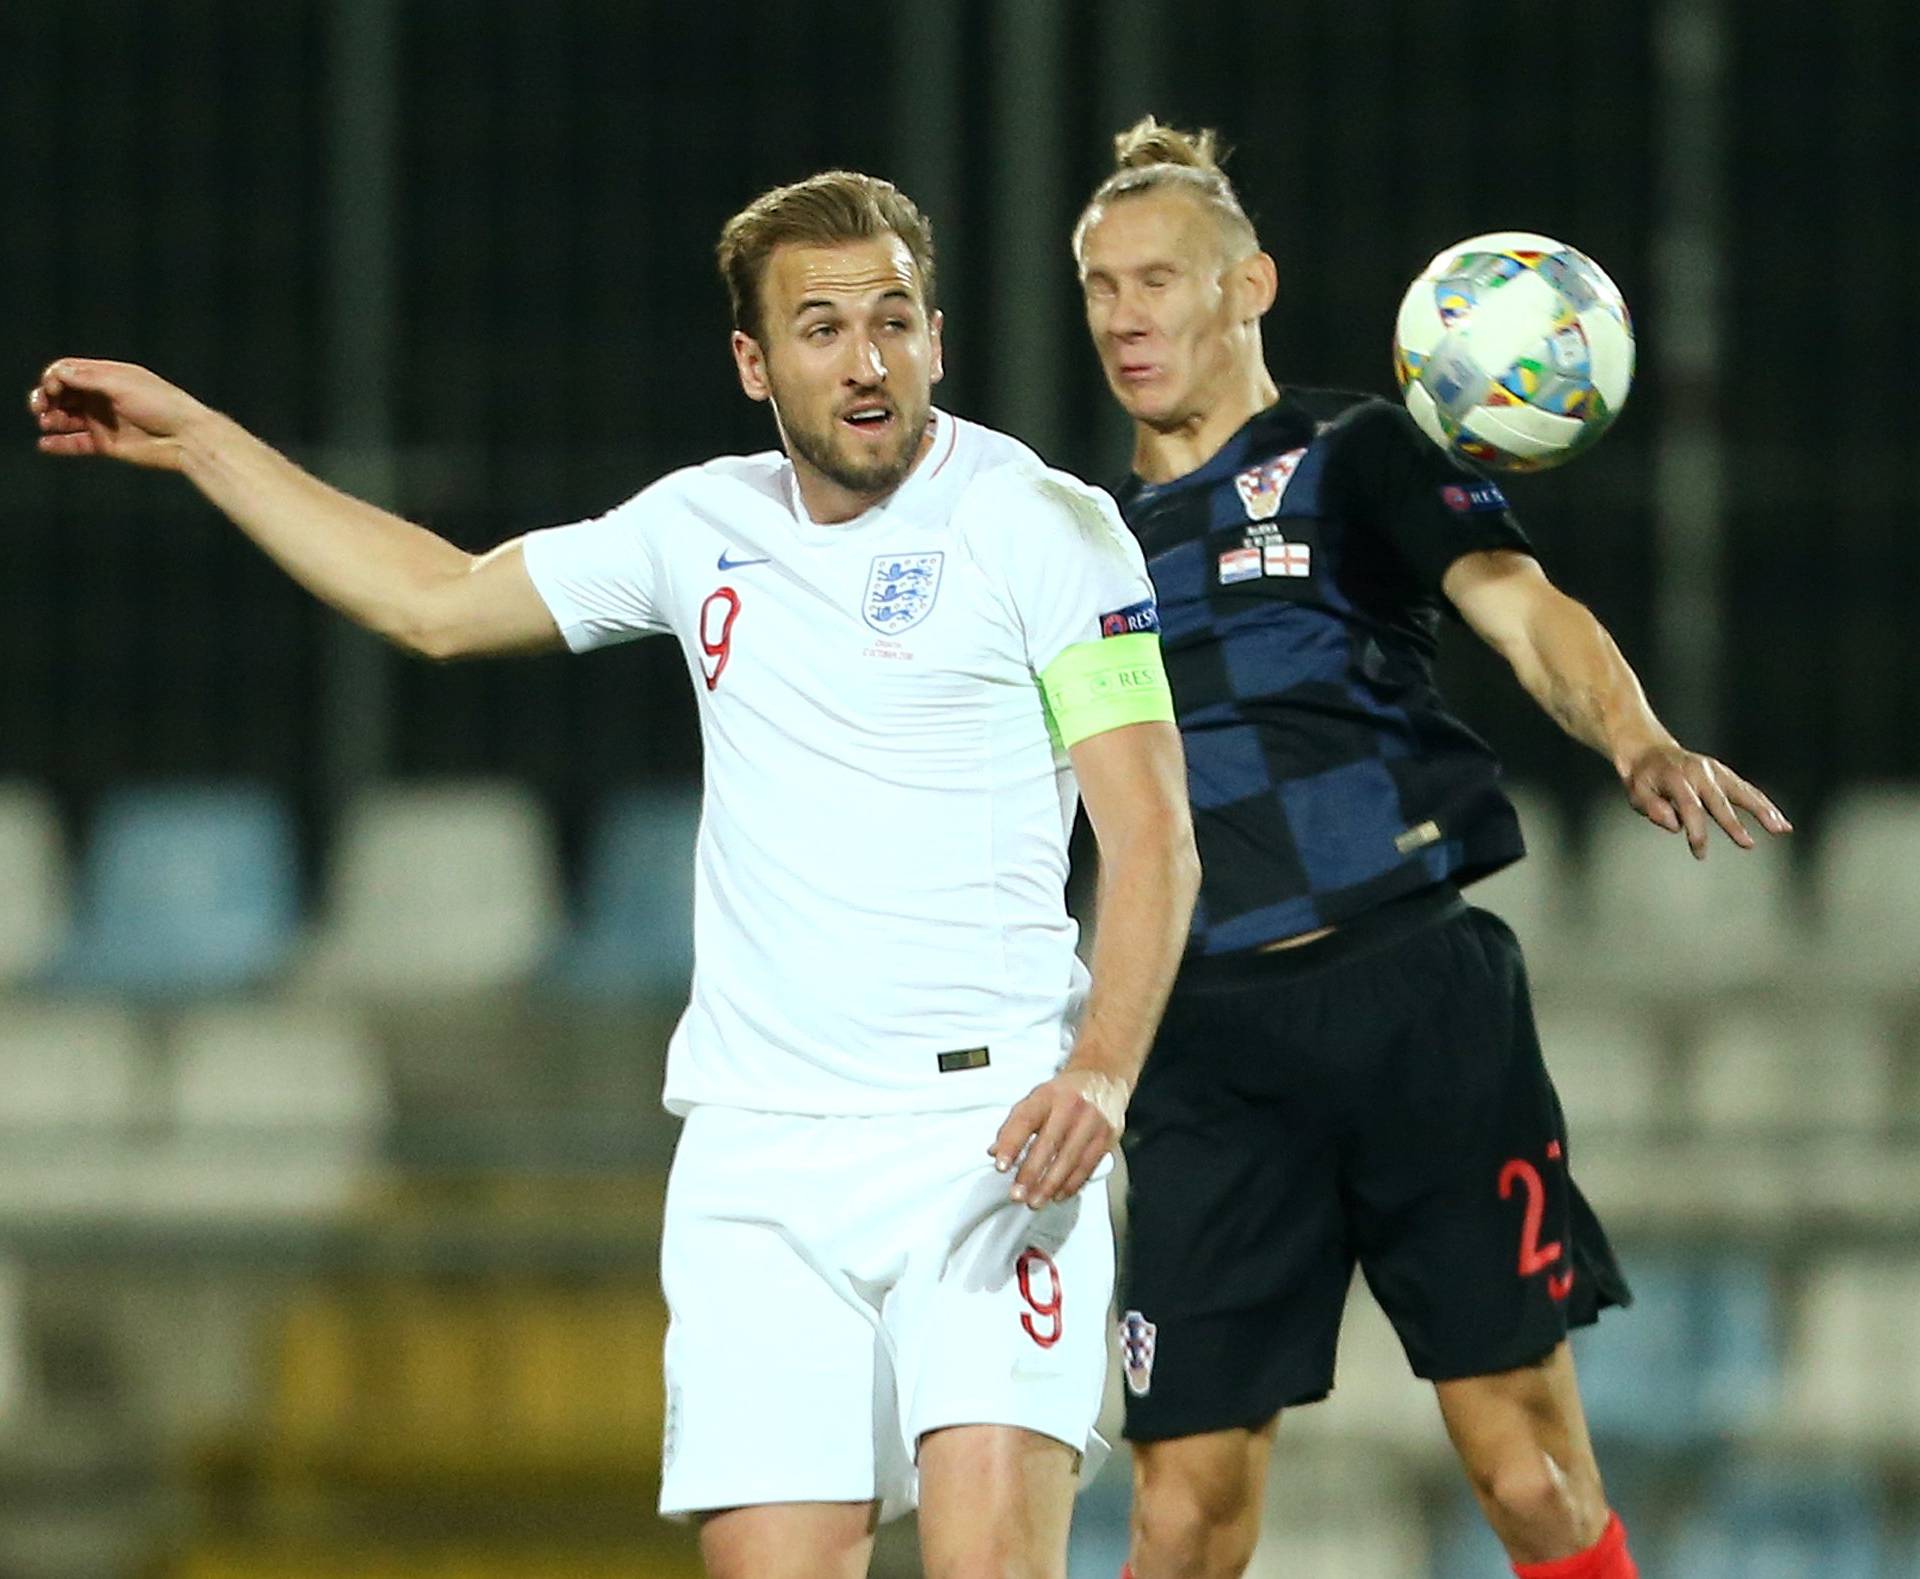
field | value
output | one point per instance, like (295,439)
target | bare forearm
(372,566)
(1145,900)
(1577,673)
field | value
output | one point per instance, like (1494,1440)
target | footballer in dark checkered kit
(1348,1073)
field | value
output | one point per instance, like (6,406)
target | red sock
(1606,1558)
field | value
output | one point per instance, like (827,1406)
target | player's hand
(113,409)
(1680,790)
(1065,1127)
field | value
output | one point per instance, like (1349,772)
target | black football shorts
(1374,1097)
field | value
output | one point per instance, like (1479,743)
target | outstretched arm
(397,579)
(1134,782)
(1572,668)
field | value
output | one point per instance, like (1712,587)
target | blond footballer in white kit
(909,641)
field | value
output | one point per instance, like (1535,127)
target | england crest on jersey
(901,589)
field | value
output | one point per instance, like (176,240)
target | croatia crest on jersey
(1261,487)
(901,589)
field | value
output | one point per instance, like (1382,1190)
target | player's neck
(830,503)
(1164,452)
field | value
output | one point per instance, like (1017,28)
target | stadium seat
(277,1111)
(1638,1367)
(16,1359)
(1097,1541)
(635,935)
(186,890)
(1739,1325)
(1465,1548)
(1339,1514)
(1853,1365)
(438,889)
(1662,923)
(1694,1360)
(1865,888)
(73,1089)
(1782,1521)
(33,877)
(1777,1069)
(1610,1065)
(1377,1401)
(1533,896)
(69,1067)
(269,1069)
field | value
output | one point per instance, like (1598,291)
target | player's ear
(751,363)
(1257,281)
(939,364)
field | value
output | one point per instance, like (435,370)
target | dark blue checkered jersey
(1298,575)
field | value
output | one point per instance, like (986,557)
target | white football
(1513,351)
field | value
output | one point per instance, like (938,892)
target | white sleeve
(1069,568)
(602,579)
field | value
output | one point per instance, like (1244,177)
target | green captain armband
(1095,686)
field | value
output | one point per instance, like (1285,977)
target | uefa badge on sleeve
(1137,1336)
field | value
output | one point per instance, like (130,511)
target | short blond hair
(822,211)
(1151,157)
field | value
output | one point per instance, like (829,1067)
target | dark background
(505,314)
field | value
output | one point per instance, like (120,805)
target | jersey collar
(1282,423)
(919,484)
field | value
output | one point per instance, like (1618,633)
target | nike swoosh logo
(735,564)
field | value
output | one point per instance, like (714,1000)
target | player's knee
(1187,1529)
(1530,1492)
(995,1559)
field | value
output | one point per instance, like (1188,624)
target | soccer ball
(1513,351)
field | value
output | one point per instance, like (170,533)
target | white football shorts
(840,1287)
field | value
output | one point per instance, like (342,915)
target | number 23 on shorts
(1535,1257)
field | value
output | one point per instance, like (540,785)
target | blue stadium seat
(1695,1358)
(1742,1348)
(1783,1521)
(1639,1367)
(634,940)
(1463,1546)
(186,890)
(1900,1557)
(1097,1544)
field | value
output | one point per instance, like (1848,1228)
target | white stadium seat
(266,1069)
(1768,1068)
(1338,1513)
(1377,1401)
(277,1111)
(33,878)
(66,1068)
(1867,884)
(1609,1064)
(1662,923)
(73,1089)
(1533,896)
(438,889)
(1853,1361)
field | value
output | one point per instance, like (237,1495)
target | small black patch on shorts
(966,1058)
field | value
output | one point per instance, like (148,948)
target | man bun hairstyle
(1147,142)
(1149,156)
(824,210)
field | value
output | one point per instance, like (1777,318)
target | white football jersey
(883,843)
